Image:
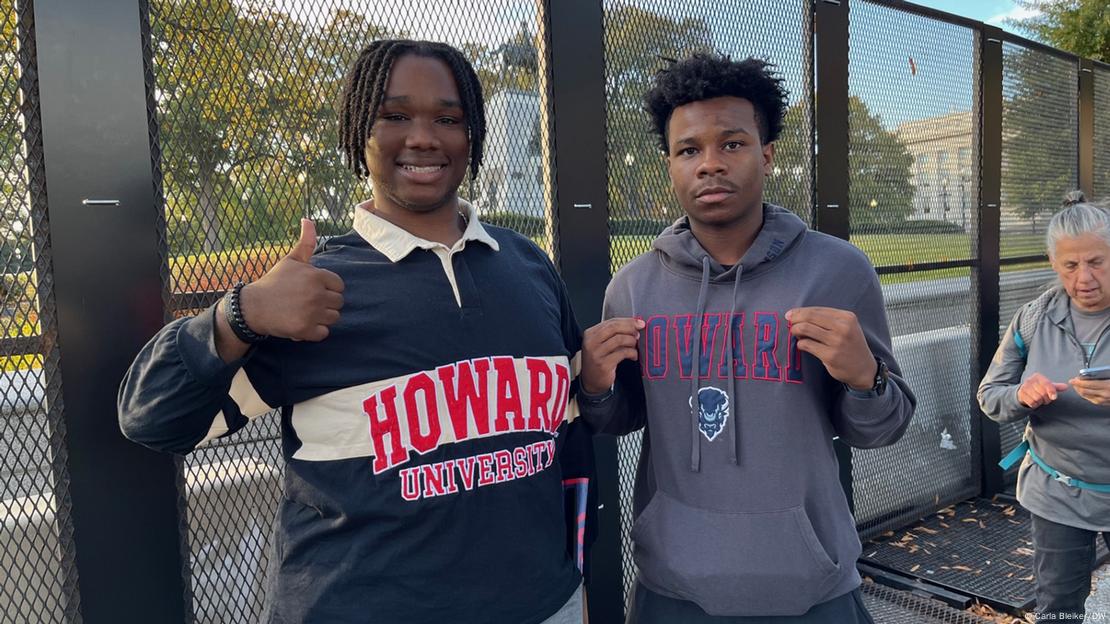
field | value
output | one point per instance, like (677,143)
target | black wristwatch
(877,388)
(882,375)
(233,312)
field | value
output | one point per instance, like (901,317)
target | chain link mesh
(914,187)
(1040,133)
(38,576)
(642,37)
(243,102)
(892,606)
(1102,134)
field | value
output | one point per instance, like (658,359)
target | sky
(993,12)
(903,66)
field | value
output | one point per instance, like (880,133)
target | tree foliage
(1038,138)
(246,108)
(638,43)
(1081,27)
(880,166)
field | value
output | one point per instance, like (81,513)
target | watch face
(880,377)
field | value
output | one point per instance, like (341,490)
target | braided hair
(365,87)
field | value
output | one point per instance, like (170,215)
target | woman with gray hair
(1064,479)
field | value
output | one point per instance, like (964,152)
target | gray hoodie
(738,503)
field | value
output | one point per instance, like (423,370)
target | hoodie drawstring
(734,439)
(695,365)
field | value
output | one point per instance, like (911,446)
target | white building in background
(511,178)
(944,167)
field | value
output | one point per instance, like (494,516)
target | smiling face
(1083,264)
(717,162)
(418,146)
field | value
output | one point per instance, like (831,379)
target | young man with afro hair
(741,344)
(422,366)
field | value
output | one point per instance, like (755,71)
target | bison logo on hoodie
(712,411)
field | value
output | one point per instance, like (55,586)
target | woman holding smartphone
(1064,479)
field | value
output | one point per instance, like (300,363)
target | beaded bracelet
(233,312)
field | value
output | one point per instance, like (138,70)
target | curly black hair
(365,88)
(706,76)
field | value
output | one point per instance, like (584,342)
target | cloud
(1016,13)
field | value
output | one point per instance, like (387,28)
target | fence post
(576,177)
(1087,127)
(108,290)
(985,320)
(831,126)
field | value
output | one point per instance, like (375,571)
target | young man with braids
(421,364)
(741,344)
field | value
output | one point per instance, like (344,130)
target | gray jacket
(1070,434)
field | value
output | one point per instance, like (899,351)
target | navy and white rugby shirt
(422,437)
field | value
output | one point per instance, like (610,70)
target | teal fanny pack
(1019,452)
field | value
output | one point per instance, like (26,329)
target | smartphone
(1095,372)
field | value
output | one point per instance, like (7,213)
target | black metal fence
(936,144)
(39,581)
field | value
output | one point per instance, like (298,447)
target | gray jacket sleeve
(179,393)
(867,419)
(999,388)
(625,410)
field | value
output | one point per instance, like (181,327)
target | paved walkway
(1098,605)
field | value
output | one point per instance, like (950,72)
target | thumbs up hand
(294,299)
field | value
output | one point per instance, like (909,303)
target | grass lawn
(216,271)
(904,250)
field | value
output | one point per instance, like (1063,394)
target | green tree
(1038,138)
(1083,28)
(638,43)
(1079,26)
(790,182)
(15,242)
(879,170)
(246,99)
(880,166)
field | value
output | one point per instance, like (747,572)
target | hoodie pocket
(750,563)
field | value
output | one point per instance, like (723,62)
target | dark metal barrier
(939,146)
(914,186)
(1101,148)
(38,578)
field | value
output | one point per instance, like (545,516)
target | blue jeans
(570,613)
(1062,560)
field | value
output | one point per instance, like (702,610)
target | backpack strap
(1028,318)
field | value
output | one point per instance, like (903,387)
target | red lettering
(466,471)
(504,465)
(508,396)
(539,376)
(562,394)
(537,451)
(449,476)
(468,397)
(422,442)
(433,479)
(410,486)
(382,427)
(485,469)
(521,465)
